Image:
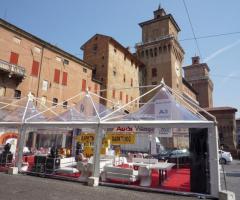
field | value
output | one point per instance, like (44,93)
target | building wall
(197,75)
(238,132)
(189,92)
(123,72)
(226,128)
(160,51)
(120,73)
(49,60)
(153,32)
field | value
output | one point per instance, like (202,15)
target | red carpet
(177,180)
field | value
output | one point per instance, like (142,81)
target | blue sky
(68,24)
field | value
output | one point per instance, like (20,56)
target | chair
(82,169)
(86,171)
(145,176)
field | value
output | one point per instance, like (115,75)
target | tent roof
(88,109)
(18,110)
(164,106)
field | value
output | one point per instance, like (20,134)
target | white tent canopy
(167,108)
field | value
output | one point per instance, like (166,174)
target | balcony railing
(13,70)
(156,40)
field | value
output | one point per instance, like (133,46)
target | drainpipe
(39,74)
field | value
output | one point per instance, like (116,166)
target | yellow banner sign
(86,137)
(114,138)
(121,138)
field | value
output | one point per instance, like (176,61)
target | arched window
(160,49)
(151,52)
(155,51)
(146,53)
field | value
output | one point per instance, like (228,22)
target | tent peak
(30,96)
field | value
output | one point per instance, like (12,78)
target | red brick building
(30,64)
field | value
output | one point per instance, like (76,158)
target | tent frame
(101,124)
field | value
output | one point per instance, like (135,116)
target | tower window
(84,70)
(114,73)
(147,53)
(124,78)
(164,48)
(155,51)
(151,52)
(154,72)
(95,47)
(94,72)
(142,54)
(160,49)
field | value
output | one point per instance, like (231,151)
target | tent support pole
(214,161)
(94,180)
(22,133)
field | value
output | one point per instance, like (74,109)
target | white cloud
(229,76)
(219,51)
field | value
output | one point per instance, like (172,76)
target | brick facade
(117,69)
(162,54)
(197,75)
(49,72)
(225,117)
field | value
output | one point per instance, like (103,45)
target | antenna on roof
(5,14)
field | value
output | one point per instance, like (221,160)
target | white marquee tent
(173,111)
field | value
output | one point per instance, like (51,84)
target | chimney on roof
(195,60)
(128,48)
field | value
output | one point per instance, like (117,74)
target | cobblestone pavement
(22,187)
(232,175)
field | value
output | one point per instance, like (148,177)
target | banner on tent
(113,138)
(163,112)
(121,138)
(86,137)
